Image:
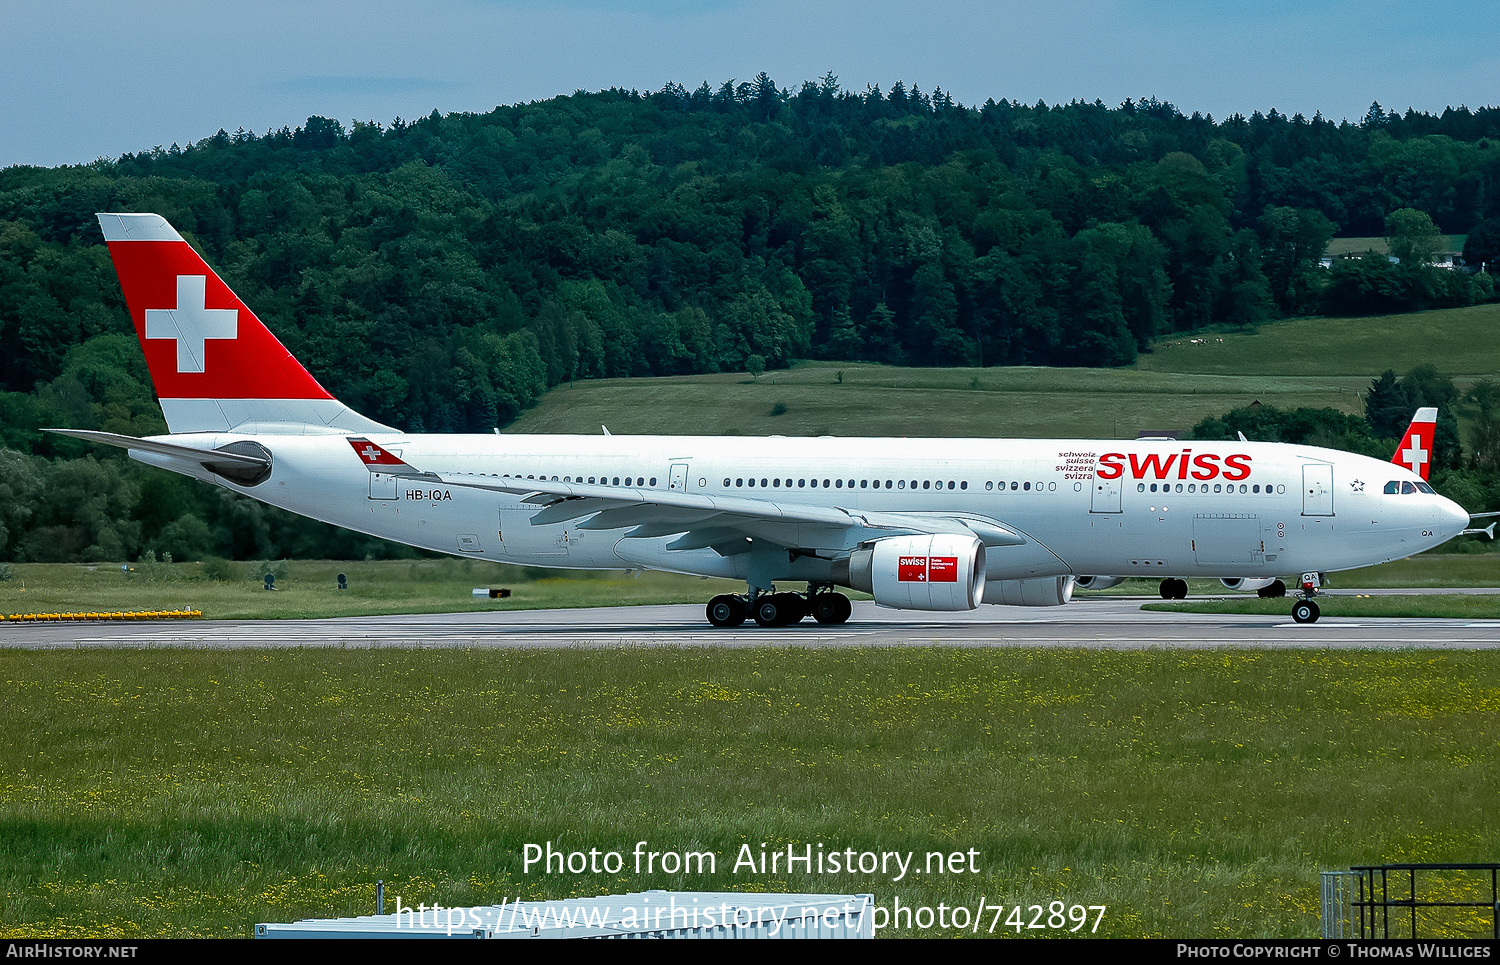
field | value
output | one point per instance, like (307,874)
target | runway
(1095,622)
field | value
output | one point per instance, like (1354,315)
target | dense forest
(441,274)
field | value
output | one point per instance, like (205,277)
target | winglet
(1415,450)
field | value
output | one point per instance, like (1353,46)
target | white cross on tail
(191,323)
(1415,457)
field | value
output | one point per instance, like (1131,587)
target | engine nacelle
(1098,582)
(942,572)
(1246,583)
(1041,591)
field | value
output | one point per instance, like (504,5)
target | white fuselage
(1140,508)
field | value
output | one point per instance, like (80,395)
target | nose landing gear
(1305,610)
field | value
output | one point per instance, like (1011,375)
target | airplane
(919,524)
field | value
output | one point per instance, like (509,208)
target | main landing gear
(779,609)
(1173,588)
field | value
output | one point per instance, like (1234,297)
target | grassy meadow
(194,793)
(309,588)
(1462,342)
(1313,362)
(862,399)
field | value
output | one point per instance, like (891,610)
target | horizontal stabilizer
(209,457)
(248,463)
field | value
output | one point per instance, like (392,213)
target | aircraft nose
(1453,518)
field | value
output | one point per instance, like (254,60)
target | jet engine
(1040,591)
(1246,583)
(942,572)
(1098,582)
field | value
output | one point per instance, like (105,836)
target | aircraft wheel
(1306,611)
(831,608)
(793,608)
(1173,589)
(726,611)
(1273,592)
(768,611)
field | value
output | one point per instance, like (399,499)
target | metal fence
(1411,901)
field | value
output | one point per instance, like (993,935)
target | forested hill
(440,274)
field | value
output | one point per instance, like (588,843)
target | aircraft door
(678,482)
(383,486)
(1106,494)
(1317,489)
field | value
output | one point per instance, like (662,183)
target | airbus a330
(921,524)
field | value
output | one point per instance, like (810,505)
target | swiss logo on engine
(927,569)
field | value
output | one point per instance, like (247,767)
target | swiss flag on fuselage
(1415,450)
(200,340)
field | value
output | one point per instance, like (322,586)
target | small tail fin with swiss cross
(1415,450)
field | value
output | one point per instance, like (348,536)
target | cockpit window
(1407,487)
(1423,487)
(1393,487)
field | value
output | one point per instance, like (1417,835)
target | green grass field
(309,588)
(877,400)
(1302,362)
(194,793)
(1461,342)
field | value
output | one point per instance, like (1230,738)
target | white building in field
(1450,252)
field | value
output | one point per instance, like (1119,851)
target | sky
(83,79)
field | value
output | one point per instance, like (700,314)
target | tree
(1292,242)
(1413,239)
(1388,408)
(1482,247)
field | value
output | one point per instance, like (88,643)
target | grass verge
(194,793)
(309,588)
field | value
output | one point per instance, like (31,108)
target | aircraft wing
(724,522)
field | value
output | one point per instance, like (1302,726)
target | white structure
(646,914)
